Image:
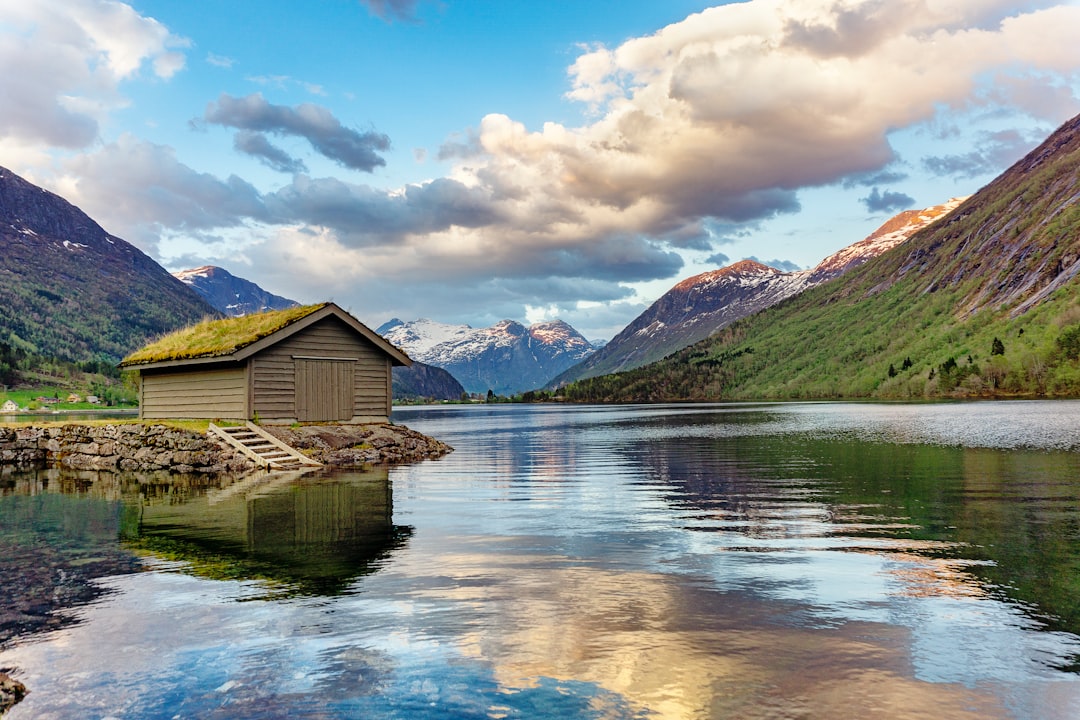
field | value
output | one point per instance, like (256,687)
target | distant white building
(8,408)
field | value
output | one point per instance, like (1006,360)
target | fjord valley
(984,302)
(699,306)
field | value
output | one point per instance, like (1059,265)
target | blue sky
(470,161)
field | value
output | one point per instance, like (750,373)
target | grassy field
(29,399)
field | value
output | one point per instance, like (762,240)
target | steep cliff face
(74,291)
(697,307)
(1011,245)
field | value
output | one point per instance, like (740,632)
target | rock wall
(148,448)
(129,446)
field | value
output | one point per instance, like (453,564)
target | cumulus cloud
(725,116)
(888,201)
(363,216)
(719,259)
(693,133)
(316,124)
(65,62)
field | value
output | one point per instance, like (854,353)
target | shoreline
(145,447)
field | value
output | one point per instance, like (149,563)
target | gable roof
(237,338)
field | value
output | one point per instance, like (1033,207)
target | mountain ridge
(229,294)
(698,306)
(56,264)
(506,358)
(983,303)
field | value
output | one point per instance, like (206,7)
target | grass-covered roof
(214,338)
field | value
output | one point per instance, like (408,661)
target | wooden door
(324,390)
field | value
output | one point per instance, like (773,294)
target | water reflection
(300,533)
(657,562)
(1003,523)
(58,536)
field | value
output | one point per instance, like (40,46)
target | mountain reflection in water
(811,561)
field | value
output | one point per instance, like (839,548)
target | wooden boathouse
(315,363)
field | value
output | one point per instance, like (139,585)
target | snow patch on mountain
(418,337)
(698,306)
(229,294)
(507,357)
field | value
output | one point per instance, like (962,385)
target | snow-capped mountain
(506,358)
(417,337)
(699,306)
(895,231)
(231,295)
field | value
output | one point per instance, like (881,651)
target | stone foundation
(127,447)
(137,447)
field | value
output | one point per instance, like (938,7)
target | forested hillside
(985,302)
(72,291)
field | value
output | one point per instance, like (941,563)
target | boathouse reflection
(300,534)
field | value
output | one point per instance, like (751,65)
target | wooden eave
(397,356)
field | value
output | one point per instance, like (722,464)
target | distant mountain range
(73,291)
(697,307)
(235,296)
(506,358)
(231,295)
(986,301)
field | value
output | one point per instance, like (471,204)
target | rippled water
(721,561)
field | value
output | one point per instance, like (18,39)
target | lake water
(713,561)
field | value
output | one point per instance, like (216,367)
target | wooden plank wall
(324,389)
(218,393)
(274,371)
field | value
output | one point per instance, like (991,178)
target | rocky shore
(359,445)
(138,447)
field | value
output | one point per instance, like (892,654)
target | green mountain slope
(985,302)
(70,290)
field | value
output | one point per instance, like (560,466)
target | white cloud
(221,61)
(138,191)
(717,121)
(64,63)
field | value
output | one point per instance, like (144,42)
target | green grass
(28,398)
(212,338)
(939,300)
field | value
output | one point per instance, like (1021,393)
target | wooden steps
(262,447)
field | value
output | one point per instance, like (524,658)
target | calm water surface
(721,561)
